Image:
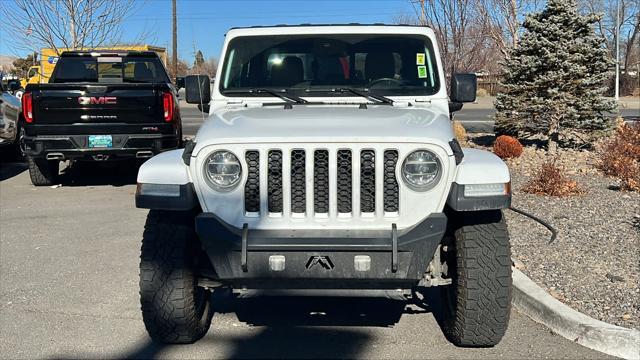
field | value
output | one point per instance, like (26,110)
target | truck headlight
(222,170)
(421,170)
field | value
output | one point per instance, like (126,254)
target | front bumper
(302,259)
(75,147)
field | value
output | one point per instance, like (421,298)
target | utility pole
(175,41)
(617,50)
(423,20)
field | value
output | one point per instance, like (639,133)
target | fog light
(362,262)
(484,190)
(276,262)
(166,190)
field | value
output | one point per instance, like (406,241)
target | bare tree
(72,24)
(629,32)
(202,66)
(181,66)
(460,31)
(501,21)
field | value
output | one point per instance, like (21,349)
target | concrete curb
(610,339)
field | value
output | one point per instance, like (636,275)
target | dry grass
(460,132)
(620,156)
(551,180)
(507,147)
(482,93)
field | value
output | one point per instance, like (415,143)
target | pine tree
(197,63)
(555,79)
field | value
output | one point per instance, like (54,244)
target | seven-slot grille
(309,175)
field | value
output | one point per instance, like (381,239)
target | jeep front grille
(321,182)
(274,181)
(302,182)
(344,183)
(390,183)
(252,188)
(298,178)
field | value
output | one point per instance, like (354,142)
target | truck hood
(326,124)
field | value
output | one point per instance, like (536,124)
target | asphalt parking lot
(69,289)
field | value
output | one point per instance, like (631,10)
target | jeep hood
(325,124)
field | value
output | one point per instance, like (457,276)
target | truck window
(109,70)
(390,64)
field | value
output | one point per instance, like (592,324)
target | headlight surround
(421,170)
(222,170)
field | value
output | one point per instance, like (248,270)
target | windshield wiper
(292,99)
(378,99)
(366,94)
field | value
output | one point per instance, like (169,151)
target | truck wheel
(478,302)
(174,309)
(43,172)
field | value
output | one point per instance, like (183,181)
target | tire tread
(42,172)
(483,281)
(167,283)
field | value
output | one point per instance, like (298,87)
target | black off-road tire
(478,302)
(18,146)
(43,172)
(174,309)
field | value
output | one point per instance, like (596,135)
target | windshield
(314,65)
(109,69)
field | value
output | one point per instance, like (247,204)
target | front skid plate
(311,261)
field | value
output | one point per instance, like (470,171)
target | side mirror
(463,88)
(197,89)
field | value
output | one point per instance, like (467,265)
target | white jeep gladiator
(327,166)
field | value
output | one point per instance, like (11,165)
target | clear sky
(203,23)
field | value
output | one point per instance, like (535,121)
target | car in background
(11,120)
(99,106)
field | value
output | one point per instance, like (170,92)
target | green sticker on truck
(422,72)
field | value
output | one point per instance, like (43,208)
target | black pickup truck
(100,106)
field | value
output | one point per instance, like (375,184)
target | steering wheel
(381,80)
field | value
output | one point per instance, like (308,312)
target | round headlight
(222,170)
(421,170)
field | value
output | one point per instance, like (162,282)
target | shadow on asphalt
(11,169)
(297,327)
(117,173)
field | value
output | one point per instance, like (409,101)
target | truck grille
(310,178)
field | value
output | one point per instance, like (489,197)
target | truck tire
(19,146)
(174,309)
(478,302)
(43,172)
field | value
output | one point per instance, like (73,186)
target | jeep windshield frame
(315,65)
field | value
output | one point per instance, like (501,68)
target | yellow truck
(49,57)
